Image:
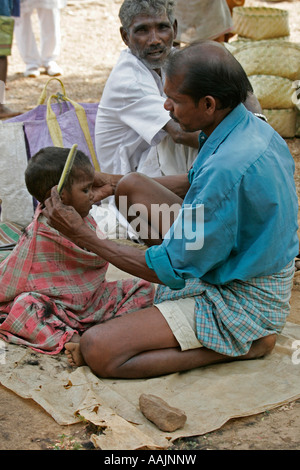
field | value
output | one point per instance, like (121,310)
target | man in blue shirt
(225,265)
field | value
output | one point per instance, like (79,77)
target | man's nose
(168,105)
(154,36)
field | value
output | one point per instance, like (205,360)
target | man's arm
(181,137)
(68,222)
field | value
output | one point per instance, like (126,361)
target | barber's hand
(104,185)
(63,218)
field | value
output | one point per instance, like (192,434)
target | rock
(164,416)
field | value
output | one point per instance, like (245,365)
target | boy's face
(81,194)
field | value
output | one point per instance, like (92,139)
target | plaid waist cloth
(50,289)
(230,317)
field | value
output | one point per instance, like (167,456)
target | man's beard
(155,64)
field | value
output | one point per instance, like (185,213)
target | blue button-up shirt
(239,217)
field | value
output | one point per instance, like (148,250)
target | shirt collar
(223,129)
(202,139)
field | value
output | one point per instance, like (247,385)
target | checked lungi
(50,289)
(230,317)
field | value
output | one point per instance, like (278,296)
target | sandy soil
(90,47)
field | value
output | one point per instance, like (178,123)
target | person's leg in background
(50,39)
(27,44)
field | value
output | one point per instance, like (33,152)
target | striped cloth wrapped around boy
(50,289)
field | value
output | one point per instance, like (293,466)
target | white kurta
(129,133)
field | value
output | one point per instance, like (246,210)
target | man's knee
(92,347)
(129,184)
(98,352)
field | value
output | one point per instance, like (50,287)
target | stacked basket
(271,62)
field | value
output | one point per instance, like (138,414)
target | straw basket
(273,92)
(281,58)
(260,22)
(282,120)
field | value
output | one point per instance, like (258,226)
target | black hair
(44,170)
(209,69)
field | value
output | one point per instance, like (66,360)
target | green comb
(67,168)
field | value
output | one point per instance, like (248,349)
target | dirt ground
(90,47)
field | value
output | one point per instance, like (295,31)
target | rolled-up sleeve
(157,259)
(147,117)
(198,241)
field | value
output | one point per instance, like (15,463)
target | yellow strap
(80,113)
(43,95)
(53,126)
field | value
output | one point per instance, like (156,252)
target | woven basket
(240,41)
(273,92)
(281,58)
(260,22)
(282,120)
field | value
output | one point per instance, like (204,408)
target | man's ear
(175,29)
(210,104)
(124,35)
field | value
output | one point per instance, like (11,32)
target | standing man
(225,277)
(47,54)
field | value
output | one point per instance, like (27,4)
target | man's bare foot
(261,347)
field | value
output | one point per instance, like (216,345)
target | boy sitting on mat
(51,290)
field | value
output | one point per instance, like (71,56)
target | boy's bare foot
(73,353)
